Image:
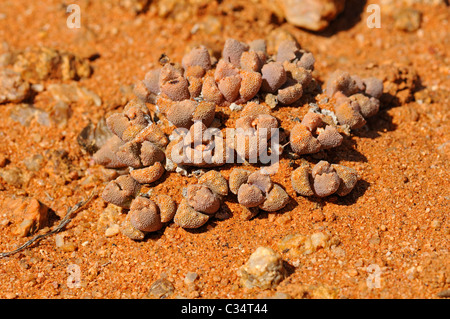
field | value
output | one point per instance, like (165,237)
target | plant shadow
(346,20)
(381,122)
(291,205)
(348,200)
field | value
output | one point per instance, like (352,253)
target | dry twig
(66,219)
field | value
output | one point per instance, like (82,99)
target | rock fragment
(161,289)
(38,64)
(127,229)
(13,89)
(313,15)
(407,19)
(33,216)
(298,245)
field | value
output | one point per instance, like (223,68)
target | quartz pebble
(313,15)
(13,89)
(37,64)
(407,19)
(113,230)
(297,245)
(264,269)
(127,229)
(190,278)
(161,289)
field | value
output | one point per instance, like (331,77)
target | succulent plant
(324,179)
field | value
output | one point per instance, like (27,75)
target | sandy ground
(396,219)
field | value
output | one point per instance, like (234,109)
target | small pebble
(113,230)
(249,212)
(190,278)
(130,231)
(13,88)
(235,107)
(68,247)
(3,160)
(59,240)
(408,19)
(264,269)
(444,294)
(10,295)
(161,289)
